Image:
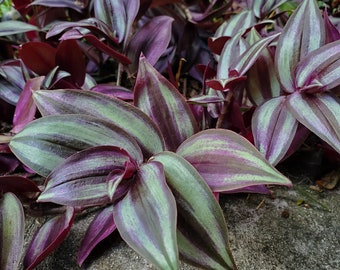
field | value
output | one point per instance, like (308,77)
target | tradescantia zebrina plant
(146,164)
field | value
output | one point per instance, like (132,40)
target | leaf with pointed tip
(228,161)
(127,117)
(13,27)
(25,109)
(119,15)
(262,81)
(303,33)
(321,67)
(101,227)
(47,238)
(151,39)
(332,33)
(146,217)
(159,99)
(319,113)
(80,180)
(76,5)
(273,129)
(201,231)
(12,225)
(46,142)
(262,8)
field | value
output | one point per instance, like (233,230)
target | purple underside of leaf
(319,113)
(273,128)
(25,109)
(48,238)
(303,33)
(146,217)
(260,189)
(227,161)
(17,184)
(151,39)
(162,102)
(201,231)
(13,27)
(12,225)
(46,142)
(101,226)
(122,114)
(321,67)
(221,84)
(81,179)
(332,33)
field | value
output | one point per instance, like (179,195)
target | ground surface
(265,234)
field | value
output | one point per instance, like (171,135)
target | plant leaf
(320,67)
(17,184)
(25,109)
(306,28)
(319,113)
(159,99)
(13,27)
(146,217)
(228,161)
(151,39)
(101,227)
(12,225)
(80,180)
(201,231)
(122,114)
(76,5)
(273,129)
(47,238)
(119,15)
(46,142)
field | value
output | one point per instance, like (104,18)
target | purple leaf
(262,81)
(81,179)
(151,39)
(46,142)
(332,33)
(26,109)
(273,128)
(48,238)
(119,15)
(228,161)
(146,217)
(76,5)
(159,99)
(13,27)
(101,227)
(8,163)
(303,33)
(262,8)
(17,184)
(320,68)
(260,189)
(319,113)
(113,91)
(201,231)
(120,113)
(12,225)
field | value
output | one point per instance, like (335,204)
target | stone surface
(265,234)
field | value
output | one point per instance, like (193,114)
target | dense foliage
(98,98)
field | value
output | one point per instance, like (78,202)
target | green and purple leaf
(101,227)
(146,217)
(13,27)
(76,5)
(25,109)
(129,118)
(319,70)
(46,142)
(201,231)
(303,33)
(118,15)
(319,113)
(273,128)
(228,161)
(12,225)
(48,238)
(151,39)
(80,181)
(162,102)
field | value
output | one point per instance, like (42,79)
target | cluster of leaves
(153,159)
